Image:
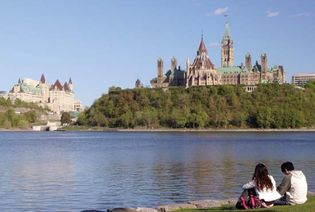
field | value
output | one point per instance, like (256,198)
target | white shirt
(267,195)
(298,191)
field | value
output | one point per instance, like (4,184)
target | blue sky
(101,43)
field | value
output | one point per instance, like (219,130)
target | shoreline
(166,130)
(216,130)
(189,205)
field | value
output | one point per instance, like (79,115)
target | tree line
(9,118)
(222,106)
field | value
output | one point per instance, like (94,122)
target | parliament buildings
(202,72)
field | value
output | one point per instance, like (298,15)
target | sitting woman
(264,185)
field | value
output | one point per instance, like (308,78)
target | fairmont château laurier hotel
(202,71)
(57,97)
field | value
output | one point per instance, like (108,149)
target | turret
(173,64)
(248,62)
(160,70)
(187,65)
(264,63)
(70,84)
(42,79)
(138,84)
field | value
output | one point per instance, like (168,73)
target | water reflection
(76,171)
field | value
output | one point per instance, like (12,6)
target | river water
(74,171)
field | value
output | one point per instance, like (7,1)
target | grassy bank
(97,129)
(308,206)
(86,128)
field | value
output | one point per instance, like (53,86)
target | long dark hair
(261,177)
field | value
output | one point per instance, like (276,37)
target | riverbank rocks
(146,210)
(198,204)
(174,207)
(122,210)
(204,204)
(132,210)
(92,211)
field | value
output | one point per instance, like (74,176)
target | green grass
(309,206)
(84,128)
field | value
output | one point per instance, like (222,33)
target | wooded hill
(268,106)
(18,114)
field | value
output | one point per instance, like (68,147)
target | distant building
(175,76)
(302,79)
(202,71)
(57,97)
(138,84)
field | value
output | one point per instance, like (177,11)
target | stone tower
(138,84)
(248,62)
(44,87)
(159,71)
(264,63)
(70,84)
(173,64)
(187,64)
(264,66)
(227,49)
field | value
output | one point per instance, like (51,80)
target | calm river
(73,171)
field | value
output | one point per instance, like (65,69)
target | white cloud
(303,14)
(220,11)
(271,14)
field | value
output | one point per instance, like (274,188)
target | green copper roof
(30,89)
(227,32)
(230,70)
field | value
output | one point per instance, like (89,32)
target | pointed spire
(227,33)
(19,82)
(202,60)
(57,86)
(202,47)
(43,79)
(66,87)
(187,61)
(70,81)
(138,84)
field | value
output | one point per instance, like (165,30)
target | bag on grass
(248,200)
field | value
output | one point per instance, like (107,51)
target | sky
(104,43)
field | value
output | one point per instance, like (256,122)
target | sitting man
(293,187)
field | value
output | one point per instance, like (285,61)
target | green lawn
(309,206)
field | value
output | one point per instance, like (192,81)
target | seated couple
(291,191)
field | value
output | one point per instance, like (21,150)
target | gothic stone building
(56,97)
(175,76)
(203,72)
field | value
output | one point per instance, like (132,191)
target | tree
(264,118)
(126,120)
(65,118)
(268,106)
(30,116)
(176,119)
